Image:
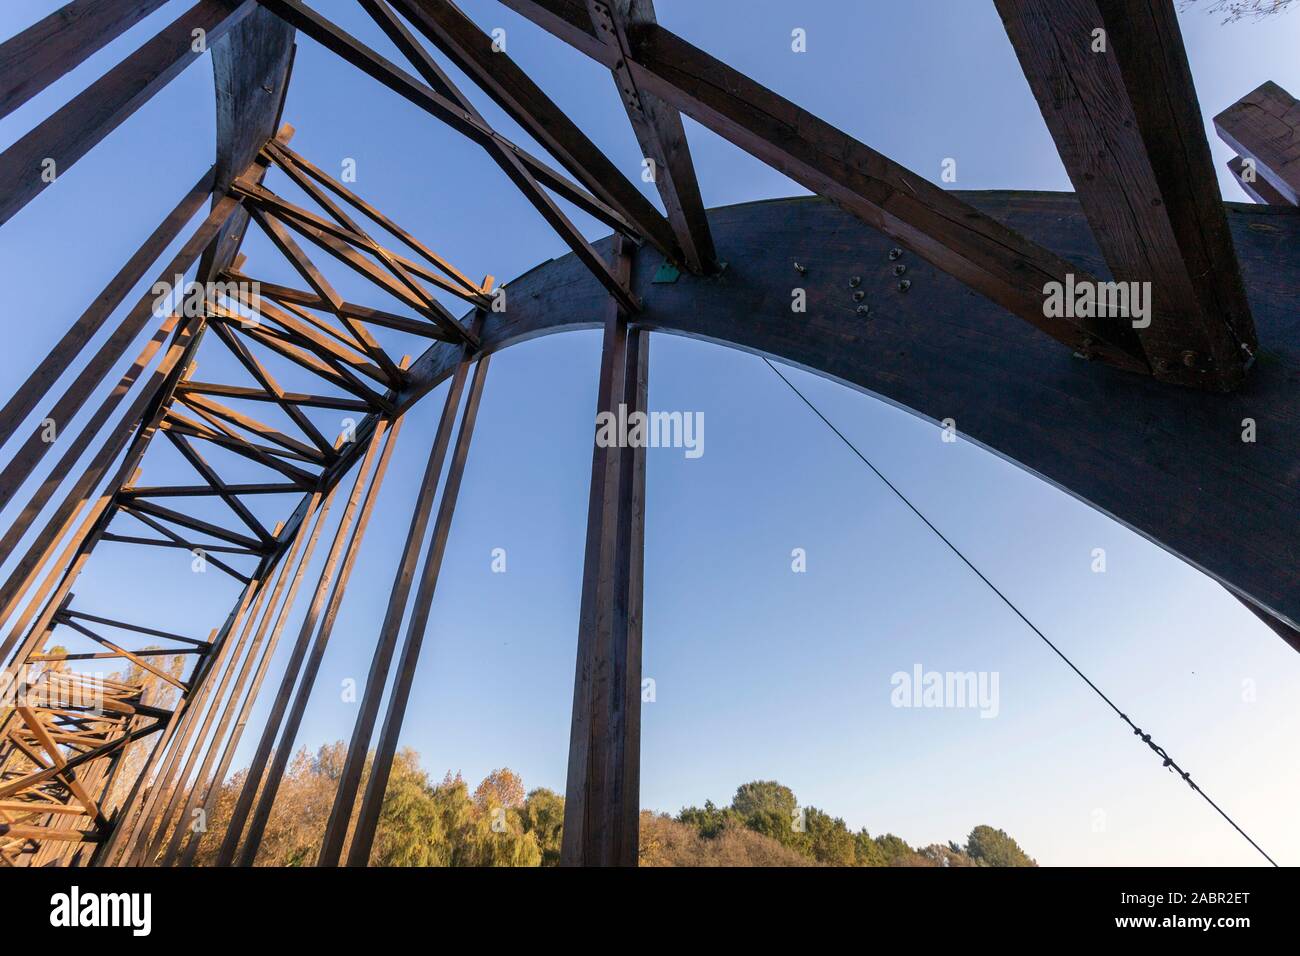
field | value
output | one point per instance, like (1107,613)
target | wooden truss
(1128,130)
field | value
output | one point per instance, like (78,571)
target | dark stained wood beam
(524,101)
(602,797)
(251,67)
(65,351)
(1256,187)
(659,131)
(1128,127)
(975,249)
(1264,126)
(73,130)
(340,820)
(500,151)
(52,47)
(1175,465)
(522,169)
(63,410)
(367,823)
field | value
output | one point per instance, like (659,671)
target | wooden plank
(66,406)
(251,67)
(367,822)
(258,395)
(459,115)
(601,808)
(255,786)
(65,351)
(977,250)
(57,44)
(339,823)
(525,102)
(476,290)
(1255,186)
(75,129)
(1128,127)
(1264,125)
(659,131)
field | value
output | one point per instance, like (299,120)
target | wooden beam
(457,114)
(1126,121)
(73,130)
(525,102)
(57,44)
(476,291)
(1245,172)
(65,408)
(65,351)
(251,67)
(1264,126)
(660,132)
(265,790)
(340,819)
(1167,463)
(363,835)
(982,253)
(601,809)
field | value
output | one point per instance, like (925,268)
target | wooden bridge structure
(931,299)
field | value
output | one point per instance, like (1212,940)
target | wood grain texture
(1124,114)
(76,128)
(51,47)
(1264,125)
(251,68)
(932,222)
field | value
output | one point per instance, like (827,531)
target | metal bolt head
(863,310)
(855,281)
(859,296)
(1189,358)
(904,285)
(801,269)
(894,253)
(899,269)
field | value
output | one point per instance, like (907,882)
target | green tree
(710,821)
(543,817)
(411,830)
(895,850)
(764,797)
(995,848)
(829,840)
(866,851)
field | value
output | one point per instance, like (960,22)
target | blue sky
(760,672)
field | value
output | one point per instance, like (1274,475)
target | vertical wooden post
(602,805)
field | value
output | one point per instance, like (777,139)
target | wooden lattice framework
(1142,421)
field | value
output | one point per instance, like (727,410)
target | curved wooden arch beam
(1170,463)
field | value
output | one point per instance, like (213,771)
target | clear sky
(760,672)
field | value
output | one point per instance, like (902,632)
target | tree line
(424,823)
